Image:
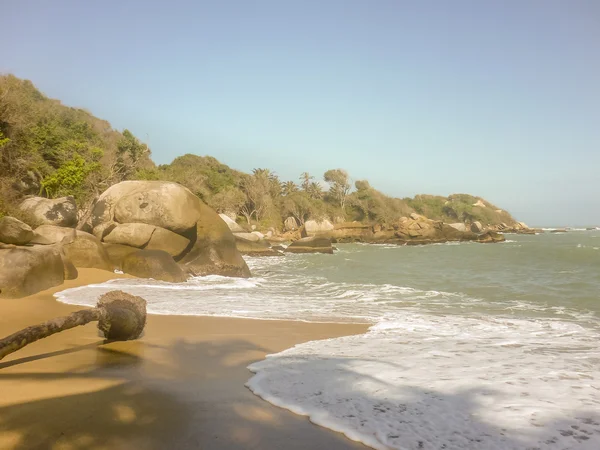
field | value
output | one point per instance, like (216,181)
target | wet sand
(181,386)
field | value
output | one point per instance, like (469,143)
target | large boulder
(117,253)
(155,264)
(232,224)
(70,271)
(310,245)
(214,251)
(211,245)
(146,236)
(13,231)
(164,204)
(314,228)
(490,237)
(248,236)
(172,243)
(52,234)
(59,211)
(27,270)
(476,227)
(81,248)
(252,248)
(132,234)
(458,226)
(290,224)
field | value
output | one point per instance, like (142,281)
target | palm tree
(305,179)
(315,190)
(289,187)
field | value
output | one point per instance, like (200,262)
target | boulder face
(290,224)
(146,236)
(27,270)
(253,248)
(59,211)
(153,264)
(476,227)
(117,253)
(132,234)
(458,226)
(86,250)
(13,231)
(52,234)
(182,225)
(232,224)
(311,245)
(248,236)
(164,204)
(314,228)
(214,251)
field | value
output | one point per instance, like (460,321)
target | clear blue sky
(496,98)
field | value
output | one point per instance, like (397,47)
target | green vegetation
(53,150)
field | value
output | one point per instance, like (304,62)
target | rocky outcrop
(350,232)
(155,264)
(290,224)
(27,270)
(232,224)
(313,244)
(490,237)
(314,228)
(516,228)
(13,231)
(254,248)
(168,208)
(59,211)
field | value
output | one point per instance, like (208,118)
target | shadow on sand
(191,395)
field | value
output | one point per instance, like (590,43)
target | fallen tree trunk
(120,316)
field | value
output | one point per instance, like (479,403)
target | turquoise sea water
(471,345)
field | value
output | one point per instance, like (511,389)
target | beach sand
(181,386)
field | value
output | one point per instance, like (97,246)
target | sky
(499,99)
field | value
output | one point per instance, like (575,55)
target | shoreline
(181,385)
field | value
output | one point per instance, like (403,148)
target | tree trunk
(31,334)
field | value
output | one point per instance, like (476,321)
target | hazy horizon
(495,100)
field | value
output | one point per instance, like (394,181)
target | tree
(299,205)
(129,154)
(339,185)
(315,191)
(305,180)
(228,201)
(69,178)
(257,188)
(288,188)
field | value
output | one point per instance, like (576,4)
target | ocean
(471,346)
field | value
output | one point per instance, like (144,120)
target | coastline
(181,385)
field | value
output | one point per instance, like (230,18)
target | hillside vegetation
(51,150)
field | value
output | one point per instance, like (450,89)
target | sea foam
(432,382)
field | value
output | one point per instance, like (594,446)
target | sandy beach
(181,386)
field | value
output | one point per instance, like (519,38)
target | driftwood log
(120,317)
